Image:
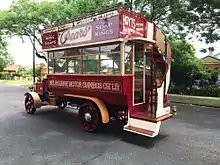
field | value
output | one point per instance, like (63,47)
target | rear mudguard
(36,98)
(102,108)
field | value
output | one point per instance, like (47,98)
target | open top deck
(111,26)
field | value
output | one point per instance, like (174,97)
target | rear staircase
(148,123)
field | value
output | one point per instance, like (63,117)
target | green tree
(5,57)
(173,16)
(25,17)
(181,17)
(213,74)
(165,13)
(205,16)
(186,67)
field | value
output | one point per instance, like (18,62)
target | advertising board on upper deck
(132,25)
(96,28)
(110,25)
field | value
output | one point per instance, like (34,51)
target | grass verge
(16,82)
(195,100)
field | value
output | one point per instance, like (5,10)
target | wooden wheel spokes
(89,118)
(29,104)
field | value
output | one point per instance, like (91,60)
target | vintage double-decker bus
(114,65)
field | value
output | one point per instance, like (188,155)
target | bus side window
(74,61)
(128,58)
(110,59)
(74,65)
(60,65)
(50,63)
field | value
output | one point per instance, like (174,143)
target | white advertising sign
(75,35)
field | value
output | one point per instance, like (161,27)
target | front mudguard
(36,98)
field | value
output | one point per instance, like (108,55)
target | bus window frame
(144,72)
(81,55)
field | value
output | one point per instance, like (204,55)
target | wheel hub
(88,117)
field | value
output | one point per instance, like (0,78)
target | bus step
(140,131)
(142,127)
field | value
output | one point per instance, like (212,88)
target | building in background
(212,61)
(12,68)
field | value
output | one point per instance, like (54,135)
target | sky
(22,52)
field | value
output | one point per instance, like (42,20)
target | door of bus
(140,95)
(139,119)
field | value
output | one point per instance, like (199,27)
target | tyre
(29,104)
(90,117)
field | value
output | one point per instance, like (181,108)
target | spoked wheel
(29,105)
(62,104)
(90,117)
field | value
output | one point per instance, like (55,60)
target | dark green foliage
(204,19)
(8,76)
(208,91)
(5,57)
(181,17)
(186,67)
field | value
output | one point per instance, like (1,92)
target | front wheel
(90,117)
(29,104)
(62,104)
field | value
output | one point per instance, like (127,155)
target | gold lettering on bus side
(107,86)
(75,84)
(116,87)
(93,85)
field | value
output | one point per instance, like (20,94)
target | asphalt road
(53,137)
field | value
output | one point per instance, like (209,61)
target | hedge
(8,76)
(11,76)
(209,91)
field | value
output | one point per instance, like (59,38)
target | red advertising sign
(106,86)
(50,40)
(131,25)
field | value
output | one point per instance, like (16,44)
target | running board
(145,128)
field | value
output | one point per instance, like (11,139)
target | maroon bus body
(122,97)
(115,91)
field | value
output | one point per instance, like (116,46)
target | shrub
(211,91)
(208,91)
(5,75)
(9,76)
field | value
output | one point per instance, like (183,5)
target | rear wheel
(90,117)
(29,104)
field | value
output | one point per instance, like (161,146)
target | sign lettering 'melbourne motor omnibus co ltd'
(110,86)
